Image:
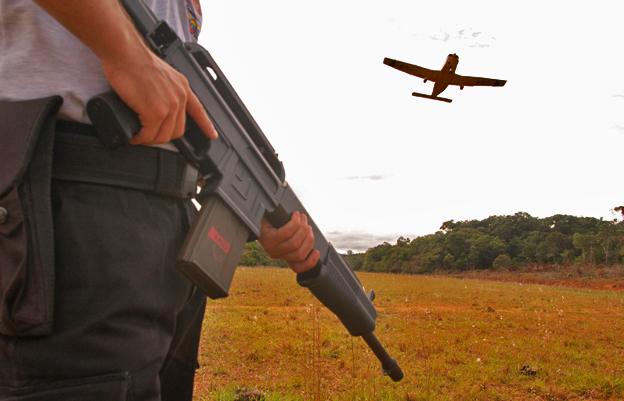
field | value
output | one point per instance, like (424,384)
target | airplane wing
(412,69)
(461,80)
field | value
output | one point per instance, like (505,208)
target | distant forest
(496,242)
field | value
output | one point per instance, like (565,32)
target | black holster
(26,224)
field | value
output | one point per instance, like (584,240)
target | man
(126,323)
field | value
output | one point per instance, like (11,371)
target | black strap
(80,157)
(73,127)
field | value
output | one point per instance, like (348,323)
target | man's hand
(293,242)
(159,94)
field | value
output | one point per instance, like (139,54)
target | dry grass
(577,276)
(455,340)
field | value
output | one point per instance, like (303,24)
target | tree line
(500,242)
(494,242)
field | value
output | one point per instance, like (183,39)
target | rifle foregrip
(332,282)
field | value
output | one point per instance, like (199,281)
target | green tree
(255,255)
(509,240)
(502,261)
(586,243)
(610,239)
(551,250)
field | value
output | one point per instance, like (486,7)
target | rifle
(244,181)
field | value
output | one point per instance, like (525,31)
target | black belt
(79,156)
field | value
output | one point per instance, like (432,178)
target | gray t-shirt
(39,57)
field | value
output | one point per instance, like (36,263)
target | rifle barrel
(389,365)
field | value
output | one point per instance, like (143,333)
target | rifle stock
(244,183)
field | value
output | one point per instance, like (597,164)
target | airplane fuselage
(443,77)
(445,74)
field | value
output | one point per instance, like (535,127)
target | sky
(372,163)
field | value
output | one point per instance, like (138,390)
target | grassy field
(456,339)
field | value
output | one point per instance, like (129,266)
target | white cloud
(464,37)
(357,241)
(374,177)
(443,37)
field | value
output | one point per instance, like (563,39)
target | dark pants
(126,322)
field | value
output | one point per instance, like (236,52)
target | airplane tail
(442,99)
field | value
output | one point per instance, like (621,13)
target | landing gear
(442,99)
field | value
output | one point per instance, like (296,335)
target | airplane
(442,78)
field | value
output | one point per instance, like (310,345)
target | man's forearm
(156,92)
(102,25)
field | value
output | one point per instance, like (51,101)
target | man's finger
(180,124)
(293,243)
(195,109)
(308,264)
(167,129)
(286,231)
(148,131)
(301,251)
(267,239)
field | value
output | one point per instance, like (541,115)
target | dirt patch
(249,394)
(595,278)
